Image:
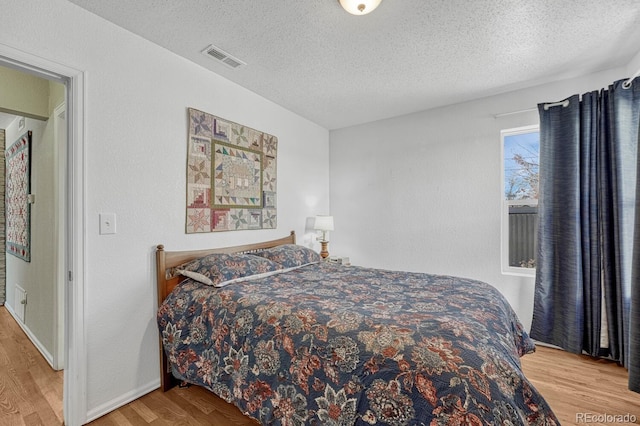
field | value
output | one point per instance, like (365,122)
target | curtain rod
(522,111)
(627,83)
(564,103)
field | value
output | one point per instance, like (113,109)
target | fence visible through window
(523,225)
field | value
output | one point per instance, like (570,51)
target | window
(520,174)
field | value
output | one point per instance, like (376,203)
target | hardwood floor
(31,392)
(187,406)
(579,387)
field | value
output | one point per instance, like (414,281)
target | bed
(292,340)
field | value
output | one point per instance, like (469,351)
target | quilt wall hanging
(17,198)
(231,176)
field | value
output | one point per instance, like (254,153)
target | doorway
(71,252)
(32,275)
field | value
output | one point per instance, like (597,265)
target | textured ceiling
(338,69)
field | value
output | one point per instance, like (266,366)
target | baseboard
(39,346)
(118,402)
(547,345)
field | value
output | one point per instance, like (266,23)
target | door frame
(59,224)
(75,385)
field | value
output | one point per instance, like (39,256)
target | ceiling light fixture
(359,7)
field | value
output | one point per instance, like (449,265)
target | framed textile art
(231,176)
(17,203)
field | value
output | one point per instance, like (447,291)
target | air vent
(222,56)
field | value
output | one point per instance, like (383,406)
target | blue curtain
(589,226)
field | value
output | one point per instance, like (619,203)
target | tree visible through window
(521,154)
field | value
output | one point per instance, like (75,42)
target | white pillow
(196,276)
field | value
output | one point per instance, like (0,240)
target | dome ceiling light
(359,7)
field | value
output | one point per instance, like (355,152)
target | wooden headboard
(166,263)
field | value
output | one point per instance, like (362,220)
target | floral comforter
(328,344)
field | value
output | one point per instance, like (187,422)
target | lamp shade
(359,7)
(324,223)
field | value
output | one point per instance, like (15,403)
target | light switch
(107,223)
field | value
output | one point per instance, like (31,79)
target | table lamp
(324,224)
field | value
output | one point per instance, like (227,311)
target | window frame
(504,217)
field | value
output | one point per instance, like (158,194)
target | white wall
(422,192)
(135,145)
(35,276)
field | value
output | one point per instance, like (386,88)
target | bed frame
(166,263)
